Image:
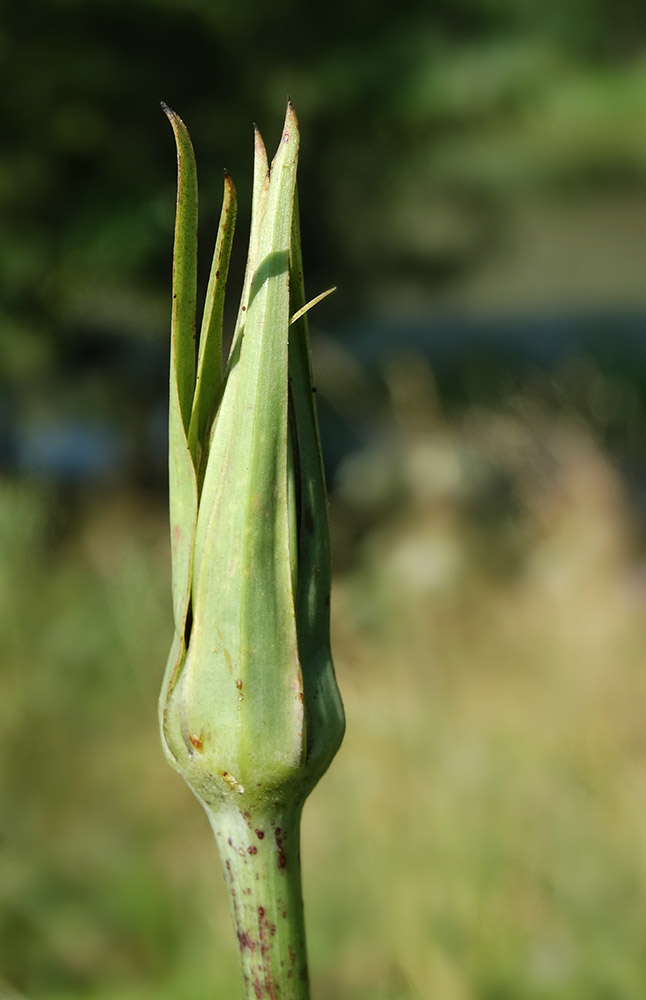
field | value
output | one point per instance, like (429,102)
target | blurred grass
(481,834)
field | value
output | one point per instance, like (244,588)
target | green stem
(260,852)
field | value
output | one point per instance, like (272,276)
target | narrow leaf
(184,269)
(181,470)
(323,704)
(259,195)
(208,389)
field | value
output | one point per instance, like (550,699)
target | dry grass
(481,835)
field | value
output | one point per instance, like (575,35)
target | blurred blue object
(474,358)
(70,453)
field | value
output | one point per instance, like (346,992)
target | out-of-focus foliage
(419,123)
(482,834)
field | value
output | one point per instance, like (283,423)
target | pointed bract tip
(167,111)
(291,121)
(259,142)
(228,182)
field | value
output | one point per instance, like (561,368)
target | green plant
(250,712)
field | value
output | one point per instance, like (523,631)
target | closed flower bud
(250,711)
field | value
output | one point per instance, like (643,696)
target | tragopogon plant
(249,711)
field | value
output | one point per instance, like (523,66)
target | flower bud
(249,709)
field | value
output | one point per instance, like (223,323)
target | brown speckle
(282,860)
(252,850)
(197,742)
(246,941)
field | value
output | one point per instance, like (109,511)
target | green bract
(250,711)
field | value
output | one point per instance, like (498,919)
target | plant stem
(260,852)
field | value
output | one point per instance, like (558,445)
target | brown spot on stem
(246,941)
(197,742)
(282,860)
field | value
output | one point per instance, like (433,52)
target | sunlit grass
(482,835)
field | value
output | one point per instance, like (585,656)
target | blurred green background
(473,177)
